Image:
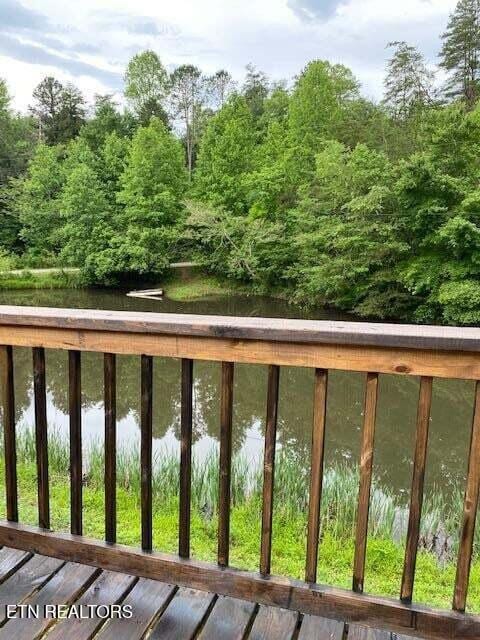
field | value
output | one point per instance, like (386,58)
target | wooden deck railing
(427,352)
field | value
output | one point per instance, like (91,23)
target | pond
(450,419)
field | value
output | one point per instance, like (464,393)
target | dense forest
(303,188)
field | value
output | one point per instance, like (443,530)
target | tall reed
(388,512)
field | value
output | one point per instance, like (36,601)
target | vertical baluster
(41,436)
(366,466)
(226,410)
(75,404)
(146,450)
(469,511)
(316,472)
(269,469)
(185,458)
(9,432)
(416,499)
(110,407)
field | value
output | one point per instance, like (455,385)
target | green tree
(347,246)
(460,54)
(85,217)
(226,156)
(409,83)
(188,98)
(37,203)
(60,111)
(107,119)
(71,116)
(147,86)
(17,142)
(320,100)
(46,108)
(111,163)
(220,86)
(255,89)
(152,187)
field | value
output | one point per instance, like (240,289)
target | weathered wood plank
(146,450)
(41,436)
(75,406)
(63,588)
(316,472)
(225,463)
(29,577)
(228,620)
(356,632)
(470,507)
(148,599)
(315,599)
(416,497)
(366,467)
(11,560)
(247,328)
(272,623)
(183,616)
(401,361)
(9,432)
(110,407)
(269,469)
(185,458)
(316,628)
(109,588)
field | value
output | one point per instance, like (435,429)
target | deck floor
(158,610)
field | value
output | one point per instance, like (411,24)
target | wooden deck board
(63,588)
(183,616)
(159,610)
(148,599)
(109,588)
(273,623)
(27,579)
(11,560)
(228,620)
(316,628)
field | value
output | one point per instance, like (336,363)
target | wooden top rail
(271,329)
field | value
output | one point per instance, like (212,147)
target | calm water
(451,410)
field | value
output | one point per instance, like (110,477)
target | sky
(89,43)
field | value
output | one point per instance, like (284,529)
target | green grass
(198,286)
(28,280)
(434,579)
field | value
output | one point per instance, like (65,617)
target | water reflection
(451,407)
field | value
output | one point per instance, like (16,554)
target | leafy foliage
(309,191)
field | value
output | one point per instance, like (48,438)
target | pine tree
(60,111)
(460,54)
(48,103)
(409,83)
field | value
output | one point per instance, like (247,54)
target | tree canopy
(307,188)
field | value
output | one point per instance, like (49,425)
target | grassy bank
(40,280)
(198,285)
(435,577)
(180,286)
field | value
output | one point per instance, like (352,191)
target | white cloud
(91,43)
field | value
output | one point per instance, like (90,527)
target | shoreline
(385,547)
